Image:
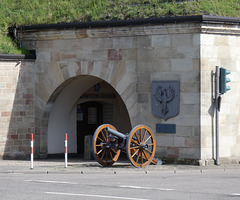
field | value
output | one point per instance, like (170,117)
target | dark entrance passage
(89,118)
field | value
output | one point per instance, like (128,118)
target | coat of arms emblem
(165,98)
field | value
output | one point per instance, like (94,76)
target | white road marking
(145,188)
(43,181)
(235,194)
(91,195)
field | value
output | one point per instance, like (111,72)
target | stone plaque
(165,98)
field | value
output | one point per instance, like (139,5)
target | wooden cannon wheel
(141,146)
(104,153)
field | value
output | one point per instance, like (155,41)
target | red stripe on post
(31,165)
(31,143)
(65,142)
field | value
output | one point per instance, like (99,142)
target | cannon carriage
(139,145)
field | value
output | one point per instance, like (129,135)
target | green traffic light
(223,80)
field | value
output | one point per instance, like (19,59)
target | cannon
(139,145)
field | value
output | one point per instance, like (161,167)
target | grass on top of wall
(25,12)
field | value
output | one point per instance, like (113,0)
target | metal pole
(217,113)
(66,150)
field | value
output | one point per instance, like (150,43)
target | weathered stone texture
(129,59)
(219,50)
(17,115)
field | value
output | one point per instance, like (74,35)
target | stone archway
(53,78)
(61,111)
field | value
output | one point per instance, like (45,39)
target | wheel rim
(104,153)
(141,146)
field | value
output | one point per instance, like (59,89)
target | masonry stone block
(165,140)
(190,153)
(129,54)
(210,52)
(182,40)
(166,53)
(111,67)
(227,141)
(161,152)
(119,73)
(190,98)
(126,80)
(55,56)
(179,141)
(187,52)
(225,152)
(84,54)
(182,65)
(145,41)
(192,142)
(43,44)
(131,66)
(224,52)
(161,65)
(144,66)
(130,92)
(100,55)
(192,120)
(146,53)
(161,41)
(143,86)
(124,42)
(173,152)
(67,55)
(166,76)
(143,98)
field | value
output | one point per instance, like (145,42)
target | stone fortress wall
(130,58)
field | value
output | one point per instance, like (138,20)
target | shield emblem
(165,98)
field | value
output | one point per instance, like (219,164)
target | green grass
(25,12)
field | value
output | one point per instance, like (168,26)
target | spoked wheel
(104,147)
(141,146)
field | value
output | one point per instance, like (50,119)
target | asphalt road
(92,182)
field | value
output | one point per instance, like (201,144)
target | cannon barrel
(116,133)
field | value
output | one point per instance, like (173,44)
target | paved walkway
(83,166)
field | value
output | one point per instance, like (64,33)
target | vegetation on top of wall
(25,12)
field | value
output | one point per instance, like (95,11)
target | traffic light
(223,80)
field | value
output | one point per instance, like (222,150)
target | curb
(89,167)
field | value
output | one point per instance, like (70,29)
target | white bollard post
(31,166)
(66,150)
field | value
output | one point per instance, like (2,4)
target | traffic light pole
(217,108)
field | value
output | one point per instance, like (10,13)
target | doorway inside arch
(89,118)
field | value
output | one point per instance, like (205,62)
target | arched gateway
(75,102)
(77,107)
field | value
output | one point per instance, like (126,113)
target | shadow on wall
(17,108)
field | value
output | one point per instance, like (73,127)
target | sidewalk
(83,166)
